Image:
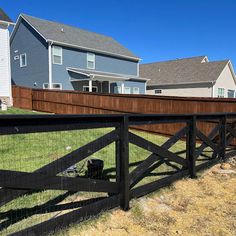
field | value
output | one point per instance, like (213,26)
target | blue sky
(155,30)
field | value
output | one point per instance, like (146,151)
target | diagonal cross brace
(211,136)
(63,163)
(207,141)
(142,168)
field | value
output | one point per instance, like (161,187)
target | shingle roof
(4,16)
(181,71)
(78,37)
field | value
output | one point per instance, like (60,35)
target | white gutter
(7,23)
(50,65)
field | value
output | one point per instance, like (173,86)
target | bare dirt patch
(204,206)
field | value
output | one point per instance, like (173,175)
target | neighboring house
(5,65)
(50,55)
(190,77)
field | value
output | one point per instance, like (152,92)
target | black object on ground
(95,168)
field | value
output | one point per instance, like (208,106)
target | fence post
(191,147)
(124,165)
(222,137)
(117,153)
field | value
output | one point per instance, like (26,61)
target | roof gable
(75,37)
(4,16)
(182,71)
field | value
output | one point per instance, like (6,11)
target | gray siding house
(190,77)
(50,55)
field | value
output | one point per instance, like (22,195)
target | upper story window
(23,60)
(221,92)
(57,55)
(90,60)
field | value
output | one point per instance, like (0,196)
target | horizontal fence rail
(130,178)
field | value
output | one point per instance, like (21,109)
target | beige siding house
(190,77)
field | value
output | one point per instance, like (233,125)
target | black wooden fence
(15,183)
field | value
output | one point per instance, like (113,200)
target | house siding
(78,59)
(226,81)
(183,90)
(193,91)
(26,40)
(5,70)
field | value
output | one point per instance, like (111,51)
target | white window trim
(137,89)
(52,86)
(57,55)
(85,86)
(220,95)
(93,61)
(24,54)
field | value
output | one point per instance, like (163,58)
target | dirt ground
(204,206)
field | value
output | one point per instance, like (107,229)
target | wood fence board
(39,181)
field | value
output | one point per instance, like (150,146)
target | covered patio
(93,81)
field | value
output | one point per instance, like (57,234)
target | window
(117,89)
(127,90)
(45,86)
(231,93)
(221,92)
(57,55)
(56,86)
(86,89)
(158,91)
(135,90)
(90,60)
(23,60)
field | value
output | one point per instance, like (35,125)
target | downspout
(50,64)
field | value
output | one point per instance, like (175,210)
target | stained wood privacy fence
(15,183)
(72,102)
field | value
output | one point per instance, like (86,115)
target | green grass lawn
(28,152)
(14,111)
